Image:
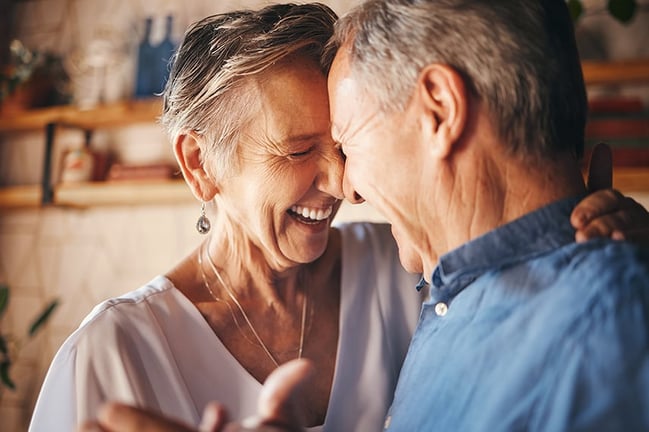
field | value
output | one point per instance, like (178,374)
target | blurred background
(90,202)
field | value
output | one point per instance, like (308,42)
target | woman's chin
(306,252)
(311,253)
(306,240)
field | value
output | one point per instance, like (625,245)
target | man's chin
(412,267)
(410,259)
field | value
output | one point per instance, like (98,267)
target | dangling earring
(203,224)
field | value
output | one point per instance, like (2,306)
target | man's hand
(279,409)
(606,212)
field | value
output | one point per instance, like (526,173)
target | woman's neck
(251,273)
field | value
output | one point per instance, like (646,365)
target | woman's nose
(330,177)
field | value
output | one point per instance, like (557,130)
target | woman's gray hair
(519,57)
(208,90)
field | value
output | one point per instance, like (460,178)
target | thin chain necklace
(243,312)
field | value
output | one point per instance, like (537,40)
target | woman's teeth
(312,213)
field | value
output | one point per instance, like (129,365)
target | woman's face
(287,188)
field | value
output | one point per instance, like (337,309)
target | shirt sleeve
(602,370)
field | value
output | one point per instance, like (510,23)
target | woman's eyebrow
(291,139)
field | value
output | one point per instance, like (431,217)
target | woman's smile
(310,215)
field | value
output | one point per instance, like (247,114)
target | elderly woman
(246,108)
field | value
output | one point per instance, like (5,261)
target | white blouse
(152,348)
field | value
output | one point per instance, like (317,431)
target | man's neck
(490,189)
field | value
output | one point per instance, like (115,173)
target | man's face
(382,160)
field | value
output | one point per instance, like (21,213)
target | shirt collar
(533,234)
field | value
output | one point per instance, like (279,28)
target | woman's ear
(443,97)
(190,159)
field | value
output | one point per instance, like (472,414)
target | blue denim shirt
(527,330)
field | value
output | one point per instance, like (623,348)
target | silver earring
(203,224)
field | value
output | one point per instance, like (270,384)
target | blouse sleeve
(56,407)
(96,363)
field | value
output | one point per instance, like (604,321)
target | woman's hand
(606,212)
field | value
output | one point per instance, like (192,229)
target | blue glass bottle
(164,51)
(145,81)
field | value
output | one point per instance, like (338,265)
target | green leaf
(4,349)
(576,9)
(622,10)
(43,317)
(4,298)
(4,375)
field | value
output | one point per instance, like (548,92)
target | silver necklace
(243,312)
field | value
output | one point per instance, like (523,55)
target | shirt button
(388,420)
(441,308)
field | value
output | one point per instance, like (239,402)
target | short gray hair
(518,56)
(208,89)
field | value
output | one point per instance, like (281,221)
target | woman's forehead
(292,107)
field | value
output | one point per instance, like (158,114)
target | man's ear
(189,156)
(443,97)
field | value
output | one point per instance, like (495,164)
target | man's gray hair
(518,56)
(209,91)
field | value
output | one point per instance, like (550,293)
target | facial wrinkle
(344,134)
(249,271)
(407,222)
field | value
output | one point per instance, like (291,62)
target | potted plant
(621,10)
(10,345)
(31,79)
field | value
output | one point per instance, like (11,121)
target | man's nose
(350,193)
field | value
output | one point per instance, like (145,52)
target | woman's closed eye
(300,154)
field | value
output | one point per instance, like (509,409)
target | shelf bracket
(46,182)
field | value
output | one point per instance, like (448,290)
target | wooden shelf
(113,115)
(141,192)
(616,73)
(15,197)
(625,179)
(173,192)
(631,179)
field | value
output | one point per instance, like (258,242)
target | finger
(115,417)
(600,168)
(639,236)
(604,226)
(280,399)
(253,425)
(596,205)
(90,426)
(214,418)
(630,221)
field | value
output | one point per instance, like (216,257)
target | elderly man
(462,122)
